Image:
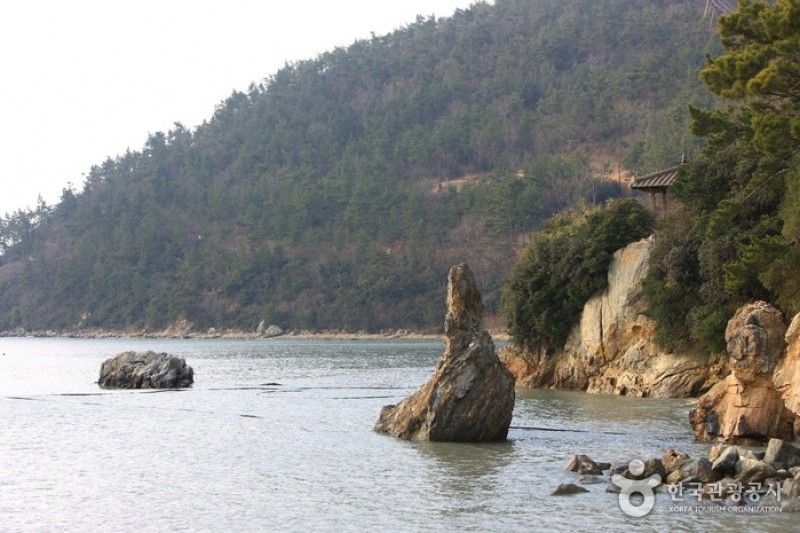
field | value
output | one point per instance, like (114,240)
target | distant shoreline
(171,333)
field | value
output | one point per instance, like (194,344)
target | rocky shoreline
(169,333)
(730,477)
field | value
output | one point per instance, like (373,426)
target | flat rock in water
(148,370)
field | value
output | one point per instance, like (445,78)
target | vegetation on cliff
(338,192)
(737,238)
(565,264)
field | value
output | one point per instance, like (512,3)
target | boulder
(470,396)
(746,407)
(149,370)
(791,488)
(725,464)
(753,471)
(610,351)
(583,465)
(698,469)
(268,331)
(645,469)
(782,454)
(674,460)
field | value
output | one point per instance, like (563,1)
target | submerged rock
(566,489)
(149,370)
(470,396)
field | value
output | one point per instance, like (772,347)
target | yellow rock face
(748,406)
(787,375)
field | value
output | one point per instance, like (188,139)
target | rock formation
(729,476)
(610,350)
(787,374)
(470,396)
(746,407)
(149,370)
(268,332)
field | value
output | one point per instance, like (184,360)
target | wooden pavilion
(656,185)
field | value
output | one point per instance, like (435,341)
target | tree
(759,76)
(565,264)
(738,237)
(397,137)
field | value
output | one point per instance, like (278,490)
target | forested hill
(337,192)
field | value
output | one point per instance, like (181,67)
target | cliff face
(787,374)
(611,349)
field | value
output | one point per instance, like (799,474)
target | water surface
(277,435)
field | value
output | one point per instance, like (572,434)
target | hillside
(338,191)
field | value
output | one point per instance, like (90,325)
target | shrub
(563,266)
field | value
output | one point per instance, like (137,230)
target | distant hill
(337,192)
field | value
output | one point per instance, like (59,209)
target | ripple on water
(238,452)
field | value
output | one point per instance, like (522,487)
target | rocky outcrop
(787,374)
(611,349)
(747,407)
(149,370)
(268,332)
(470,396)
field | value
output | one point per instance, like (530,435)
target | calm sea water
(276,435)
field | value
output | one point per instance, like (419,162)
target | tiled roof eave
(657,180)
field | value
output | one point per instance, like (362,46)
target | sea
(276,435)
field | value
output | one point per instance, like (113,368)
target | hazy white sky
(86,79)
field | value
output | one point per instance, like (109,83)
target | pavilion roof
(657,180)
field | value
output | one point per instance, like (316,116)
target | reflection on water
(465,471)
(277,435)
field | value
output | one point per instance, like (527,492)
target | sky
(84,80)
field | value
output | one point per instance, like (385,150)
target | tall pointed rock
(470,396)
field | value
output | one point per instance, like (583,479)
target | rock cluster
(724,474)
(611,350)
(149,370)
(470,396)
(747,407)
